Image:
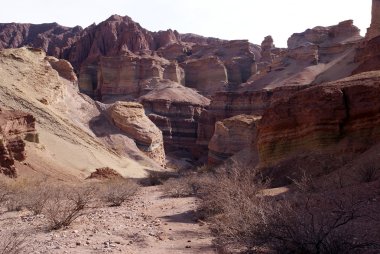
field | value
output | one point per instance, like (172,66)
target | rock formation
(175,110)
(342,115)
(54,39)
(374,30)
(206,82)
(74,132)
(368,53)
(368,56)
(228,104)
(231,136)
(266,49)
(63,67)
(15,127)
(131,119)
(129,75)
(324,36)
(113,37)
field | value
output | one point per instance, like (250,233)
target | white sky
(226,19)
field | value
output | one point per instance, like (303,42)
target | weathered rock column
(374,30)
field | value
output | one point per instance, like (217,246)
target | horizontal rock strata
(344,113)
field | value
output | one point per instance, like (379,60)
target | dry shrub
(369,172)
(182,186)
(243,219)
(12,243)
(222,191)
(5,192)
(36,195)
(305,183)
(116,192)
(158,178)
(66,204)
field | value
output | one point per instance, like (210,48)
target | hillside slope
(66,121)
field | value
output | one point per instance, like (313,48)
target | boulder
(232,135)
(130,118)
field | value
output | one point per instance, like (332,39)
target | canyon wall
(343,116)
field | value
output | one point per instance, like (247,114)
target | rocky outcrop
(374,30)
(175,110)
(228,104)
(266,49)
(308,53)
(15,127)
(201,40)
(238,56)
(345,31)
(368,56)
(130,75)
(231,136)
(207,82)
(342,115)
(368,53)
(53,38)
(114,37)
(131,119)
(63,67)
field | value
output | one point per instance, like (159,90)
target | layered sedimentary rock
(308,53)
(15,126)
(131,119)
(63,67)
(374,30)
(130,75)
(368,54)
(228,104)
(322,42)
(325,36)
(54,39)
(344,115)
(231,136)
(238,56)
(175,110)
(208,75)
(113,37)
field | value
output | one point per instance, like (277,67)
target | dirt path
(180,232)
(149,223)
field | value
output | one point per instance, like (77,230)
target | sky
(225,19)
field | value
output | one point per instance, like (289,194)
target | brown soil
(150,223)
